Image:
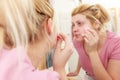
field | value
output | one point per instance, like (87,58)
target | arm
(78,66)
(76,72)
(91,47)
(62,73)
(114,62)
(61,56)
(112,72)
(114,69)
(98,68)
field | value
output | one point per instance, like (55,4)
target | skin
(93,43)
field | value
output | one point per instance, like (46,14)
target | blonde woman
(29,33)
(98,48)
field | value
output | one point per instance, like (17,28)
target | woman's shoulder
(113,37)
(5,53)
(9,57)
(113,45)
(15,66)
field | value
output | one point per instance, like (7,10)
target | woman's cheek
(85,29)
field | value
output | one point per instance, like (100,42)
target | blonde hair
(94,12)
(25,20)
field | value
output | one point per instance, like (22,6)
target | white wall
(106,3)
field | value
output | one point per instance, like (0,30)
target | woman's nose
(75,29)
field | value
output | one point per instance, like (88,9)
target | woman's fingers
(93,32)
(66,43)
(90,35)
(72,74)
(58,44)
(61,56)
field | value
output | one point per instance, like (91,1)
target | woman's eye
(79,23)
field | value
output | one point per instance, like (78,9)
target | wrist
(62,73)
(59,69)
(76,71)
(93,54)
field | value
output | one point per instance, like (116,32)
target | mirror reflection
(111,24)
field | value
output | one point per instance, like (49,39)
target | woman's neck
(102,40)
(36,52)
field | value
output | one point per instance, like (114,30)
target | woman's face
(79,25)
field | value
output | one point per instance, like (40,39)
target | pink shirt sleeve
(115,52)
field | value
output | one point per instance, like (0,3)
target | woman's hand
(75,73)
(91,41)
(62,55)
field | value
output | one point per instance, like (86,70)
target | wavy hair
(95,12)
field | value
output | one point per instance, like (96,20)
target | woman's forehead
(79,17)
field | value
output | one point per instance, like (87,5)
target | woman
(29,33)
(98,48)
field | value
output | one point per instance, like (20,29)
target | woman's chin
(79,39)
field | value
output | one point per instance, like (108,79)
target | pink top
(12,68)
(110,50)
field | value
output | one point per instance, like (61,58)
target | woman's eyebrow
(79,20)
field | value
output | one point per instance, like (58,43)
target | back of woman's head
(94,12)
(24,21)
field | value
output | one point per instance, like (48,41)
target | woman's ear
(49,26)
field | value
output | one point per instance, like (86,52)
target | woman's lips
(79,35)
